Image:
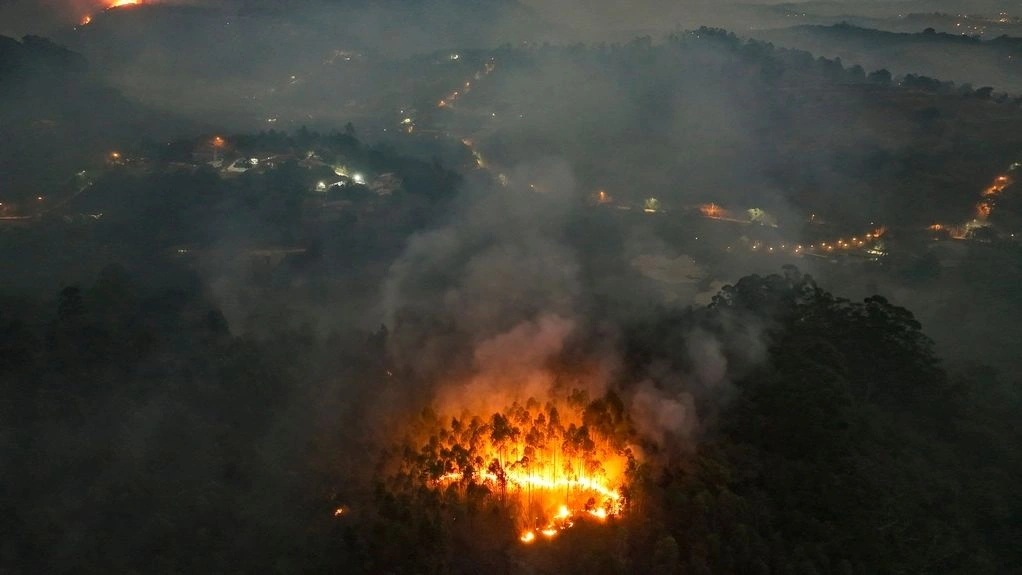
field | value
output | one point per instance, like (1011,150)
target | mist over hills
(993,61)
(63,115)
(435,286)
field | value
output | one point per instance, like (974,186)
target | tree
(880,77)
(666,556)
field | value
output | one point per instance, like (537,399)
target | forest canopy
(847,449)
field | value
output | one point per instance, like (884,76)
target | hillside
(63,116)
(957,57)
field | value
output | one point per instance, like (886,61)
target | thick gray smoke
(479,309)
(497,264)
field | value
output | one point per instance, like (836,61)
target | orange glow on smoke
(714,211)
(119,3)
(601,197)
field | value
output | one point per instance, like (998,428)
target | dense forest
(707,116)
(141,434)
(957,55)
(503,335)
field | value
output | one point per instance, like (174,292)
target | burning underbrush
(547,464)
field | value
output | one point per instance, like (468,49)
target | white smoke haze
(510,367)
(487,294)
(660,415)
(710,365)
(496,264)
(481,309)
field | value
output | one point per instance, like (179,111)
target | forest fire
(548,465)
(712,211)
(985,206)
(109,5)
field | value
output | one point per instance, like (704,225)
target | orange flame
(548,464)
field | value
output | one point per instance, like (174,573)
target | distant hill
(708,117)
(241,63)
(386,28)
(56,116)
(961,58)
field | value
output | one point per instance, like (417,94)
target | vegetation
(709,117)
(214,402)
(140,434)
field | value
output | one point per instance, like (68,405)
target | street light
(218,143)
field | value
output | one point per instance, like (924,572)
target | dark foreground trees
(139,434)
(850,450)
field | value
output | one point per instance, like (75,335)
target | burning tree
(545,464)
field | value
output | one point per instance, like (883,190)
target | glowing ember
(86,20)
(986,206)
(119,3)
(712,211)
(528,537)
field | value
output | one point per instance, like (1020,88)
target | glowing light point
(528,537)
(549,532)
